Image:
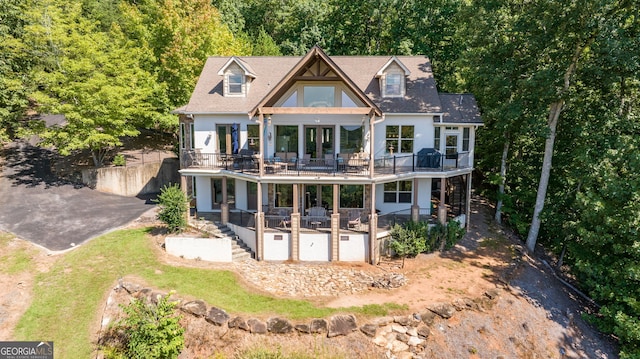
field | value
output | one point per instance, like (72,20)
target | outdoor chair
(354,220)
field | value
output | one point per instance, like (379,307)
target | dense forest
(558,82)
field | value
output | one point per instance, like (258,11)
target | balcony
(353,166)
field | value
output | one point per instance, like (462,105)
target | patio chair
(354,220)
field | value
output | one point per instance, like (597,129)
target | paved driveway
(36,206)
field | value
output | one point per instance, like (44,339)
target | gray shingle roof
(459,108)
(421,93)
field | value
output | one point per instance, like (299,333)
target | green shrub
(418,237)
(173,208)
(119,160)
(147,331)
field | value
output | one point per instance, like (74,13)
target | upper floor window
(400,139)
(465,138)
(235,84)
(436,138)
(319,96)
(393,85)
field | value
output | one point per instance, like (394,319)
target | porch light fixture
(269,136)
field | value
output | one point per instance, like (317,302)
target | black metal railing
(388,220)
(334,166)
(417,162)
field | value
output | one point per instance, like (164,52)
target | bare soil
(534,317)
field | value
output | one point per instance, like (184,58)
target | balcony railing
(430,162)
(334,166)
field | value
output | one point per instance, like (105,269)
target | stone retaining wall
(402,336)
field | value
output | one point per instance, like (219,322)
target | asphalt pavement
(37,206)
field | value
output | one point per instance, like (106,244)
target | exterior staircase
(239,250)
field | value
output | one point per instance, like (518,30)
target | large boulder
(240,323)
(279,326)
(341,325)
(195,307)
(369,329)
(256,326)
(318,326)
(217,316)
(444,310)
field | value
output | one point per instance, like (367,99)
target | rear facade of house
(315,158)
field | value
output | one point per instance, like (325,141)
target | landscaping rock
(303,328)
(412,331)
(131,287)
(423,331)
(403,320)
(398,328)
(341,325)
(465,304)
(217,316)
(240,323)
(389,281)
(256,326)
(398,346)
(415,341)
(196,307)
(382,321)
(369,329)
(404,355)
(428,317)
(444,310)
(279,326)
(402,337)
(319,326)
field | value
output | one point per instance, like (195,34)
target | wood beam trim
(315,110)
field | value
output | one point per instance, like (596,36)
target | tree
(91,77)
(15,68)
(173,208)
(150,331)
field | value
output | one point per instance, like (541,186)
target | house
(314,158)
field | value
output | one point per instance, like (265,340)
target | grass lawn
(67,298)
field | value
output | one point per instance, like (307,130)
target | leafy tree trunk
(503,178)
(554,115)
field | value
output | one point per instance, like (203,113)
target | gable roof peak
(243,65)
(393,59)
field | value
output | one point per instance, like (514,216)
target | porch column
(335,225)
(442,207)
(371,146)
(259,224)
(415,208)
(263,144)
(259,219)
(295,225)
(468,200)
(373,228)
(224,207)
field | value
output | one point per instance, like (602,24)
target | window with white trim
(398,192)
(399,139)
(393,85)
(465,138)
(436,138)
(235,83)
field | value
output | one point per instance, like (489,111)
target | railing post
(413,163)
(394,164)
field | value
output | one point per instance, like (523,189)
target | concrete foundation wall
(206,249)
(248,236)
(315,247)
(276,249)
(133,180)
(353,247)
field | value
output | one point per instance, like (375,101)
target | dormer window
(392,78)
(235,84)
(393,85)
(237,77)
